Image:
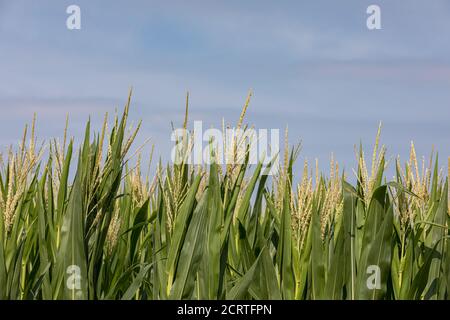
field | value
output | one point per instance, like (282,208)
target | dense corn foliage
(89,225)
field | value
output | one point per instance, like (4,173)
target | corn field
(89,224)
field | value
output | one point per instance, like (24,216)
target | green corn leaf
(136,284)
(240,289)
(191,253)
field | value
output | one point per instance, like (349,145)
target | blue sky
(313,65)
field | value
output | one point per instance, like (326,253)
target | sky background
(313,65)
